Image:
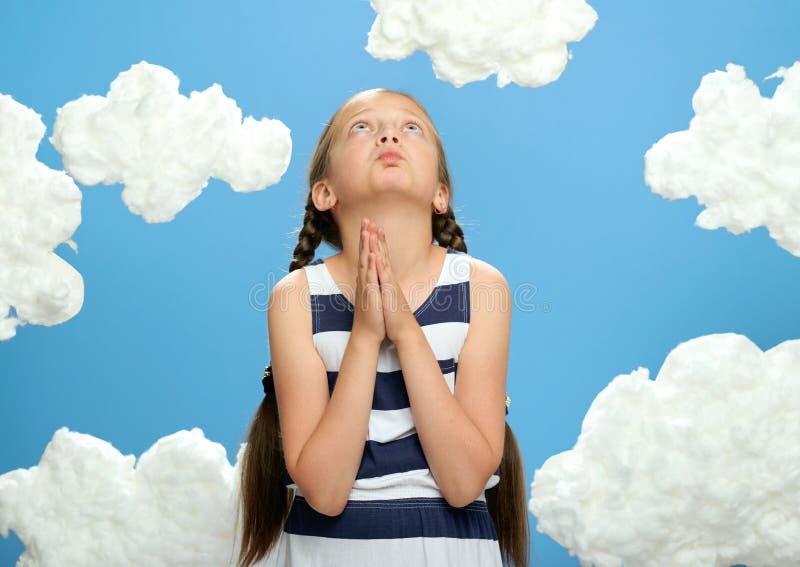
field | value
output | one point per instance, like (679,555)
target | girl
(382,439)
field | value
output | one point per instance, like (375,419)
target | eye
(412,127)
(360,127)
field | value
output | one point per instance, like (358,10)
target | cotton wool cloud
(740,156)
(522,41)
(699,468)
(162,146)
(87,505)
(40,208)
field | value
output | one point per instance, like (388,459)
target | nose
(389,133)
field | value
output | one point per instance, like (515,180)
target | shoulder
(488,289)
(482,271)
(290,290)
(484,274)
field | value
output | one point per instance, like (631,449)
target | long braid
(265,500)
(317,226)
(506,500)
(447,231)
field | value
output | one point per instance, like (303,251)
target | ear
(322,195)
(442,198)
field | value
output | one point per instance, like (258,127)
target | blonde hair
(264,500)
(320,226)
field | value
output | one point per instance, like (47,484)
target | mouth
(390,156)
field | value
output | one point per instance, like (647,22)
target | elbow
(467,490)
(463,494)
(328,509)
(335,508)
(323,502)
(457,502)
(317,493)
(460,501)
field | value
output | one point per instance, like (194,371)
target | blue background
(548,187)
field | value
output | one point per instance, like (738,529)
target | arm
(463,434)
(323,435)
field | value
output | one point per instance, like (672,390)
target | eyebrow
(368,108)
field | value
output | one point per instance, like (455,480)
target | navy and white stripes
(398,518)
(394,496)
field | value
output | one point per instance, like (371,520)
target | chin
(392,180)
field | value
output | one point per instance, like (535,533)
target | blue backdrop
(548,187)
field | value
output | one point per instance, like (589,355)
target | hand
(397,314)
(368,318)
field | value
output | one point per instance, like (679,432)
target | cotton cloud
(87,505)
(700,467)
(163,146)
(523,41)
(739,156)
(39,209)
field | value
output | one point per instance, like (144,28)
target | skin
(395,197)
(383,210)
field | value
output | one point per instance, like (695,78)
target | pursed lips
(390,156)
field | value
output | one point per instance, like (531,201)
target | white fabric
(446,340)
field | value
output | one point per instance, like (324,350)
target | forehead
(381,101)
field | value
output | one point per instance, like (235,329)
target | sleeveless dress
(396,514)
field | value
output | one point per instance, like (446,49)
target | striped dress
(395,515)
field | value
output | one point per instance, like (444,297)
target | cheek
(432,160)
(343,157)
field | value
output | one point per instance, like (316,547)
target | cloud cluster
(40,208)
(523,41)
(700,467)
(86,504)
(164,147)
(739,157)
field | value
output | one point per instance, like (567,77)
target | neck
(408,239)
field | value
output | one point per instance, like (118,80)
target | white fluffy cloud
(523,41)
(40,208)
(740,156)
(164,147)
(87,505)
(700,467)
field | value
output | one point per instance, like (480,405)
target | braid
(317,226)
(447,232)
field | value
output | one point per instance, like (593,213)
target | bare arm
(462,435)
(323,435)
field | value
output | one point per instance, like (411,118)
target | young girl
(382,437)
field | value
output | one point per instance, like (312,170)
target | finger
(363,251)
(386,267)
(384,246)
(372,278)
(373,273)
(387,297)
(380,245)
(381,256)
(365,283)
(363,262)
(373,243)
